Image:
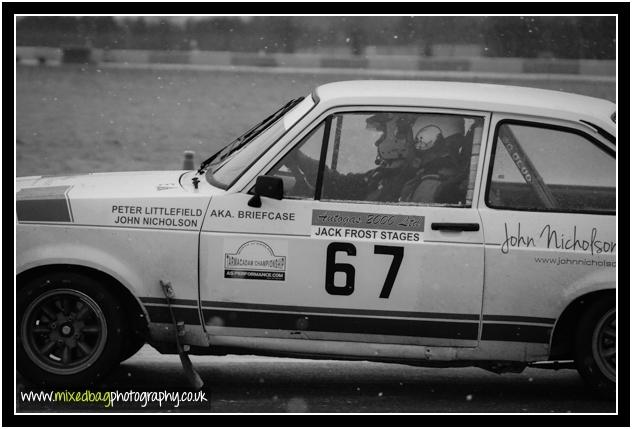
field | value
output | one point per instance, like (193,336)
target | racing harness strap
(526,168)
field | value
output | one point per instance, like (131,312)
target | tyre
(595,347)
(69,330)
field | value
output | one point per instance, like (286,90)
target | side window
(544,169)
(299,167)
(407,158)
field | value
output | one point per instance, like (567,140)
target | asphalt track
(251,384)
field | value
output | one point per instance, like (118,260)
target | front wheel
(595,347)
(69,330)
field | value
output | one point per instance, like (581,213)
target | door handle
(449,226)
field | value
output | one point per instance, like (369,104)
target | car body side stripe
(331,310)
(294,319)
(44,204)
(516,332)
(159,313)
(300,322)
(320,323)
(175,301)
(524,319)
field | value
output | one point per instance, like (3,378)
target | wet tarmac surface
(251,384)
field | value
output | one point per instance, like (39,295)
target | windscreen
(226,172)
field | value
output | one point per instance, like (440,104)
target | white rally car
(426,223)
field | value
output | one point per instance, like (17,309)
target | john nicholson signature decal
(555,239)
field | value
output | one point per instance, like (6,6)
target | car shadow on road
(285,385)
(236,384)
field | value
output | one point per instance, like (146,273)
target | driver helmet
(430,131)
(394,137)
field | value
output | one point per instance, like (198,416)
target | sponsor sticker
(550,237)
(253,215)
(367,226)
(156,216)
(255,260)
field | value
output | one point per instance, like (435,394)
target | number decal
(334,267)
(398,254)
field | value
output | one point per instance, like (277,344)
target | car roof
(470,96)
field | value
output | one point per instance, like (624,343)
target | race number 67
(333,267)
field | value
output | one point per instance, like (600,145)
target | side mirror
(266,186)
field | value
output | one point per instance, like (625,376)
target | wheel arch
(132,306)
(563,337)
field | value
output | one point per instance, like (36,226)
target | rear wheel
(69,330)
(595,347)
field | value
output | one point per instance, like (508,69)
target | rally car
(425,223)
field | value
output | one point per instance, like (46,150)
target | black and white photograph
(316,214)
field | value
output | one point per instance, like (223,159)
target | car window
(541,168)
(226,172)
(299,168)
(402,158)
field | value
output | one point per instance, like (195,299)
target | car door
(549,217)
(359,249)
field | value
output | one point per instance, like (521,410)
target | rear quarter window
(543,168)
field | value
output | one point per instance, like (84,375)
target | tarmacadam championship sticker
(255,260)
